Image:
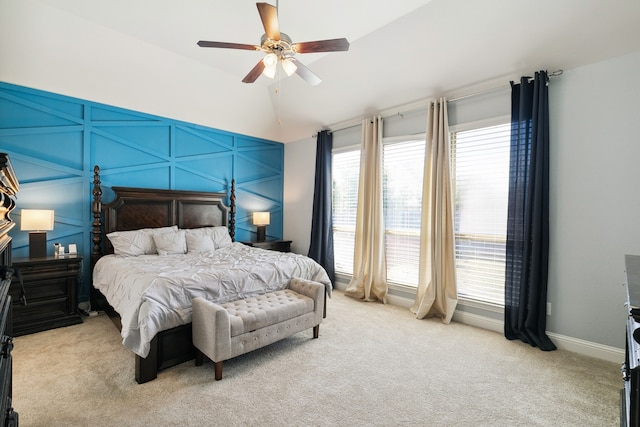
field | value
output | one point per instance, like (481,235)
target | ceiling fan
(280,49)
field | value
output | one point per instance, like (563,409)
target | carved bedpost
(96,210)
(232,211)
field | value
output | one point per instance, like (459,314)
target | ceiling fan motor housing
(283,47)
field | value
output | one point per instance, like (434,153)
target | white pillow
(136,242)
(221,237)
(170,243)
(199,240)
(219,234)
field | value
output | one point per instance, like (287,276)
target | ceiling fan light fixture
(288,66)
(270,71)
(270,63)
(270,59)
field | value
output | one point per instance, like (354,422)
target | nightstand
(50,286)
(272,245)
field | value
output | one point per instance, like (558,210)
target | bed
(147,288)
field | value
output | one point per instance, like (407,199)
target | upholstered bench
(223,331)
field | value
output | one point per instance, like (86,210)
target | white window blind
(345,170)
(402,198)
(480,170)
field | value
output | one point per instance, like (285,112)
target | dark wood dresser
(630,394)
(8,189)
(50,288)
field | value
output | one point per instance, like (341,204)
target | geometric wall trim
(54,141)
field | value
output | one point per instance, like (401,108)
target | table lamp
(261,220)
(37,222)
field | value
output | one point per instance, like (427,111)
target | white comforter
(153,293)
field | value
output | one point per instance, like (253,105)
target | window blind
(402,197)
(345,174)
(480,167)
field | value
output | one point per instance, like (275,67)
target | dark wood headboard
(135,208)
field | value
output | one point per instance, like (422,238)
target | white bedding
(153,293)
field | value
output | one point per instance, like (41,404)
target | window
(480,171)
(402,198)
(402,194)
(345,170)
(480,175)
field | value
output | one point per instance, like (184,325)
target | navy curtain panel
(527,249)
(321,246)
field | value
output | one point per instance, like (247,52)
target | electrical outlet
(548,309)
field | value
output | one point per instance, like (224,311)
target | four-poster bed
(130,283)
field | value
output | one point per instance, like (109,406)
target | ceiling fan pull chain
(278,97)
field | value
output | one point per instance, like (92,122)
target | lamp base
(262,232)
(37,244)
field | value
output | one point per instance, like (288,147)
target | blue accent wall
(54,141)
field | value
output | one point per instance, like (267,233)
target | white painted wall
(595,196)
(45,48)
(299,177)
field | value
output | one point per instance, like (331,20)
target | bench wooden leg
(324,309)
(199,357)
(316,331)
(218,369)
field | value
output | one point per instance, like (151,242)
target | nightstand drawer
(48,271)
(34,312)
(41,290)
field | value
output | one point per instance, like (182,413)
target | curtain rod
(551,74)
(482,92)
(424,107)
(414,110)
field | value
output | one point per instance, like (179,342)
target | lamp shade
(261,218)
(36,219)
(270,63)
(289,66)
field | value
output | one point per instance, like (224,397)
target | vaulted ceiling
(142,54)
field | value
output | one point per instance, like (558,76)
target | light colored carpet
(372,365)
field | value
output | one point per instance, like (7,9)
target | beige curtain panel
(369,280)
(437,294)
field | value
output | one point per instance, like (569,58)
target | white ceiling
(401,51)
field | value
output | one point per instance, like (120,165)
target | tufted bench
(223,331)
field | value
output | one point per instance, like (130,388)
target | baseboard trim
(478,321)
(587,348)
(575,345)
(399,301)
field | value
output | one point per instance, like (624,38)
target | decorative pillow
(136,242)
(221,237)
(170,243)
(199,240)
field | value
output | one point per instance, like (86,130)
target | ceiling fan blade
(269,17)
(306,73)
(204,43)
(333,45)
(254,73)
